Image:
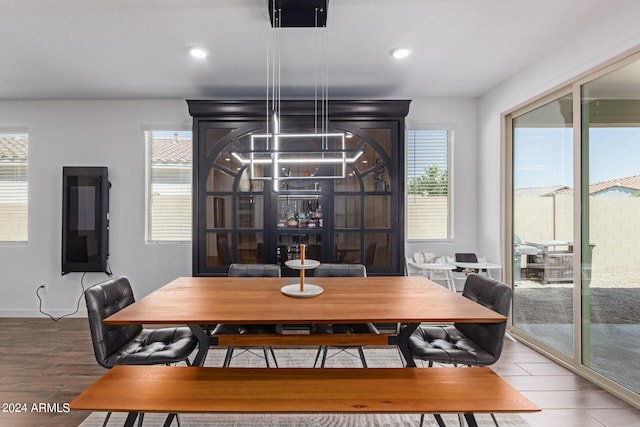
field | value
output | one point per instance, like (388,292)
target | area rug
(301,358)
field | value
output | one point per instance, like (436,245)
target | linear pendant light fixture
(297,156)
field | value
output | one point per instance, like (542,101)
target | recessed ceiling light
(198,52)
(401,52)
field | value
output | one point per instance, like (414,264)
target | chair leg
(227,357)
(451,284)
(169,420)
(324,356)
(273,354)
(439,420)
(317,356)
(266,356)
(364,361)
(495,421)
(106,420)
(140,419)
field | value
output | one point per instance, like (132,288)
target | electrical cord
(55,319)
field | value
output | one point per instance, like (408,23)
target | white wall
(110,133)
(86,133)
(615,34)
(461,113)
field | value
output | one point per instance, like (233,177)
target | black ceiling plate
(298,13)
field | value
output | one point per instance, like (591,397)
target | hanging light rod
(298,13)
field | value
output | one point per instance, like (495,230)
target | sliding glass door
(575,225)
(610,191)
(542,222)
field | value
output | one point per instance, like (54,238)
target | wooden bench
(143,389)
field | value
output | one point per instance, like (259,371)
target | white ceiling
(115,49)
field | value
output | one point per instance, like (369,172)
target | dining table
(399,300)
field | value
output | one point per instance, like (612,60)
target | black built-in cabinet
(355,219)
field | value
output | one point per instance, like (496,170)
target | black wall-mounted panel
(85,219)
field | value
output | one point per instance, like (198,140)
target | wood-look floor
(42,361)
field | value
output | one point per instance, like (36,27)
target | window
(168,186)
(13,186)
(428,185)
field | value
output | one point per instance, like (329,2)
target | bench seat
(178,389)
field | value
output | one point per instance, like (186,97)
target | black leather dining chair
(470,344)
(251,270)
(131,344)
(341,270)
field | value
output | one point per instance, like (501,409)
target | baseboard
(82,313)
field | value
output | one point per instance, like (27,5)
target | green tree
(433,182)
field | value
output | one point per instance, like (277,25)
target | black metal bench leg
(471,420)
(169,420)
(131,418)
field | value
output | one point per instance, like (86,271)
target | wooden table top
(239,300)
(301,390)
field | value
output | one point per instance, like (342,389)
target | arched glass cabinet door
(231,205)
(362,202)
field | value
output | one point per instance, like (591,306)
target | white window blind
(13,187)
(169,159)
(428,186)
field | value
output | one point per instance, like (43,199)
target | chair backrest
(283,255)
(224,253)
(370,253)
(465,257)
(254,270)
(410,270)
(494,295)
(103,300)
(340,270)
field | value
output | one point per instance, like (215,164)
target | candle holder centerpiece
(302,290)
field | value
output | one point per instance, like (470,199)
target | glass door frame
(576,362)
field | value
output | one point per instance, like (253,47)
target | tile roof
(631,182)
(166,150)
(171,150)
(540,191)
(13,148)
